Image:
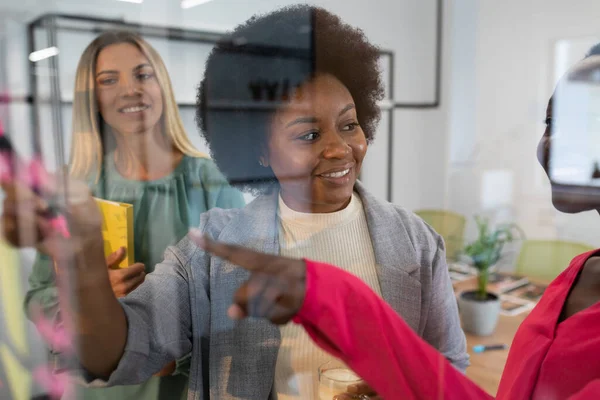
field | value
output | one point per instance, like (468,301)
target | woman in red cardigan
(556,351)
(548,359)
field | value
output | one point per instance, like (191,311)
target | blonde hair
(87,151)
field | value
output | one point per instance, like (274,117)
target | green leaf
(486,250)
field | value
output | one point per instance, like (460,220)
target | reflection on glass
(576,131)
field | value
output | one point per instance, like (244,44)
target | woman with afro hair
(288,106)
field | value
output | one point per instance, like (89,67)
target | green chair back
(450,225)
(546,259)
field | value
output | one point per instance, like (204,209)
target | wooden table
(486,368)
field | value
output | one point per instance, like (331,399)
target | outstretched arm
(347,319)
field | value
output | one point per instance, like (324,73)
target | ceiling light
(43,54)
(133,1)
(192,3)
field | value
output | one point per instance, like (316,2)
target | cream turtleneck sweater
(341,238)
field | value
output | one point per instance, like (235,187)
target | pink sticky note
(38,176)
(55,384)
(59,224)
(55,335)
(5,169)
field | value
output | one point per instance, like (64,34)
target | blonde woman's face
(129,96)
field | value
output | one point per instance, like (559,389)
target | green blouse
(164,210)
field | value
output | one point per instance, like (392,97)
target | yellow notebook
(117,228)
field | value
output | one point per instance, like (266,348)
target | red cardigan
(547,360)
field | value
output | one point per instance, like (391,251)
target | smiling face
(128,94)
(316,147)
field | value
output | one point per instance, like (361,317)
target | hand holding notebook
(117,232)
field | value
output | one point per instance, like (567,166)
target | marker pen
(480,348)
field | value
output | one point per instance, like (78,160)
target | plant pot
(479,317)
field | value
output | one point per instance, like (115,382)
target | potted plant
(480,309)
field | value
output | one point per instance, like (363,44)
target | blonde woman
(130,145)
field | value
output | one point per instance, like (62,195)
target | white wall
(502,76)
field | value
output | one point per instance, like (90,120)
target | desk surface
(486,368)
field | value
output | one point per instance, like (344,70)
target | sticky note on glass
(11,298)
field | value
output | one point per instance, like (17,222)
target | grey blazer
(182,305)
